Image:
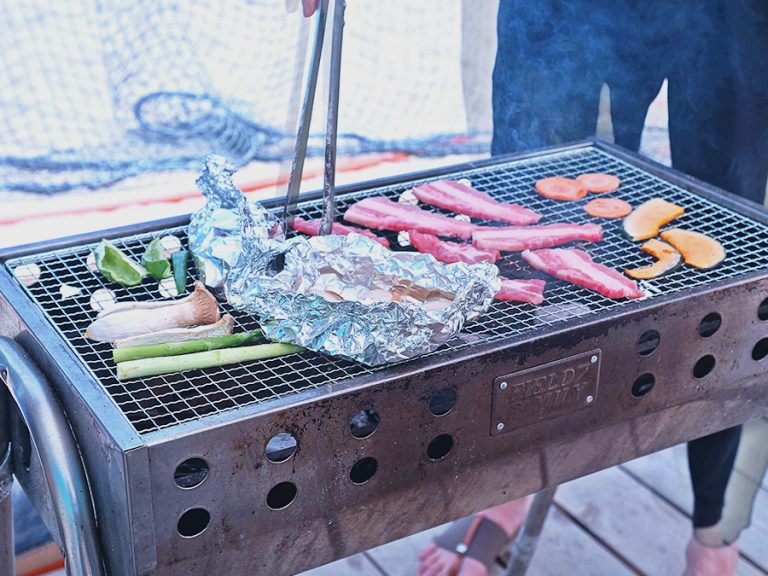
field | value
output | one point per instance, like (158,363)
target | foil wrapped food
(215,231)
(340,295)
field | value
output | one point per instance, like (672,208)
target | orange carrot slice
(559,188)
(595,182)
(608,208)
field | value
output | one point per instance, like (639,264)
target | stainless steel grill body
(543,394)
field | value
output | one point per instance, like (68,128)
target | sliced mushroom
(126,319)
(223,327)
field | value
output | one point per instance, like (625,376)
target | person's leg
(710,460)
(548,74)
(437,560)
(641,42)
(718,98)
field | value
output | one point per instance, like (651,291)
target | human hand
(309,6)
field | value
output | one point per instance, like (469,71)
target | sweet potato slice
(645,221)
(698,250)
(667,259)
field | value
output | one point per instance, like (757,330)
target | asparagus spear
(176,348)
(169,364)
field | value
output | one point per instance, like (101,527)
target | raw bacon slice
(577,267)
(531,291)
(516,238)
(450,252)
(451,195)
(382,214)
(312,228)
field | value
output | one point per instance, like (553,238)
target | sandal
(474,537)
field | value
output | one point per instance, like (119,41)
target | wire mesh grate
(154,403)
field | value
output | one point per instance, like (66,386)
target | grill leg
(525,544)
(59,456)
(7,556)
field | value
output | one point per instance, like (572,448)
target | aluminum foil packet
(348,295)
(215,230)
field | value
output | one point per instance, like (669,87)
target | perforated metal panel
(154,403)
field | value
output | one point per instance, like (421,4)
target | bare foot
(436,561)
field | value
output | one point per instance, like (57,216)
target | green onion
(171,364)
(179,260)
(127,353)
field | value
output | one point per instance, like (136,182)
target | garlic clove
(66,291)
(170,244)
(102,299)
(28,274)
(167,288)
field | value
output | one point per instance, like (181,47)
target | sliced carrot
(559,188)
(608,208)
(595,182)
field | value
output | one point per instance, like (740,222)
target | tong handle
(305,119)
(302,136)
(329,175)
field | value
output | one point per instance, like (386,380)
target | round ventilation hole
(440,447)
(760,350)
(190,473)
(363,470)
(710,324)
(703,366)
(281,447)
(281,495)
(762,310)
(643,384)
(193,522)
(648,342)
(364,423)
(442,401)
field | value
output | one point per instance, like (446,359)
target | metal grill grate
(155,403)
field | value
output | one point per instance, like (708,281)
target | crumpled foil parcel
(324,292)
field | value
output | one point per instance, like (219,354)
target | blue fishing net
(95,91)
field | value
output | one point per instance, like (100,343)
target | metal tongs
(302,135)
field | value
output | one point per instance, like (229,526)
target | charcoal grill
(522,399)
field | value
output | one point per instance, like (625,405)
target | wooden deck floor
(628,520)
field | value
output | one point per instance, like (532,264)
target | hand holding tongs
(302,135)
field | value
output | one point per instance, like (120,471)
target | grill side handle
(59,456)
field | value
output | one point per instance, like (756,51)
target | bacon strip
(312,228)
(382,214)
(516,238)
(531,291)
(450,252)
(451,195)
(577,267)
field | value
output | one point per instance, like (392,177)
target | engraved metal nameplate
(544,392)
